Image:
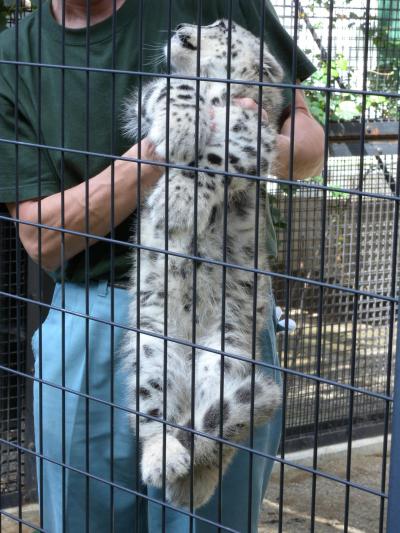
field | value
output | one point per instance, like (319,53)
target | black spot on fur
(151,277)
(227,365)
(233,431)
(250,150)
(144,296)
(162,95)
(214,159)
(247,286)
(155,412)
(243,395)
(155,385)
(148,352)
(210,174)
(185,437)
(144,393)
(213,216)
(189,174)
(211,420)
(186,88)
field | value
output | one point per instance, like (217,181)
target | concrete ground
(364,509)
(330,496)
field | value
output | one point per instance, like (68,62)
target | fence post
(393,525)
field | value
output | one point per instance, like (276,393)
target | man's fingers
(249,103)
(148,150)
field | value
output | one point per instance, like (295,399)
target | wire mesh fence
(335,274)
(374,258)
(12,357)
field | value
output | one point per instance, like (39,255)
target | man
(74,183)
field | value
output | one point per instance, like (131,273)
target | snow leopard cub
(169,365)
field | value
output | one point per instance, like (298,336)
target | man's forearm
(96,202)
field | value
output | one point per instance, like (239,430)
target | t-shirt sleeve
(23,173)
(279,42)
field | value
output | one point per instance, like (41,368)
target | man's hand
(308,144)
(77,203)
(309,141)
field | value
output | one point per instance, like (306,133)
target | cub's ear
(272,71)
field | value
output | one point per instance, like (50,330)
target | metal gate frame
(393,515)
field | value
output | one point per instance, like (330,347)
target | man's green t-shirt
(80,111)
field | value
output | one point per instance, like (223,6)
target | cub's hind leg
(249,398)
(155,406)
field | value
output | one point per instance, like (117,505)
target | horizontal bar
(23,522)
(344,131)
(351,148)
(266,179)
(280,460)
(189,344)
(209,261)
(200,78)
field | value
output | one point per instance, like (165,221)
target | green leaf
(347,110)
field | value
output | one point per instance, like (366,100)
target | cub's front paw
(177,461)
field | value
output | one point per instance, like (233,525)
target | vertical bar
(391,338)
(40,287)
(393,515)
(62,176)
(195,252)
(288,261)
(138,240)
(224,256)
(166,263)
(112,263)
(357,271)
(87,270)
(256,266)
(18,271)
(322,270)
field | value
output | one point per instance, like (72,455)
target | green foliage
(8,10)
(346,106)
(332,188)
(3,15)
(278,220)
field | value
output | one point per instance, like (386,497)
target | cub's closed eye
(222,25)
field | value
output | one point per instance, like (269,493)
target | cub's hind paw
(205,481)
(177,461)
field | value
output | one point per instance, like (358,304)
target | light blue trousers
(93,437)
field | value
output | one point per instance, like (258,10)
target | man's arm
(99,209)
(309,142)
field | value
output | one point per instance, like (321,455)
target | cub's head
(213,53)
